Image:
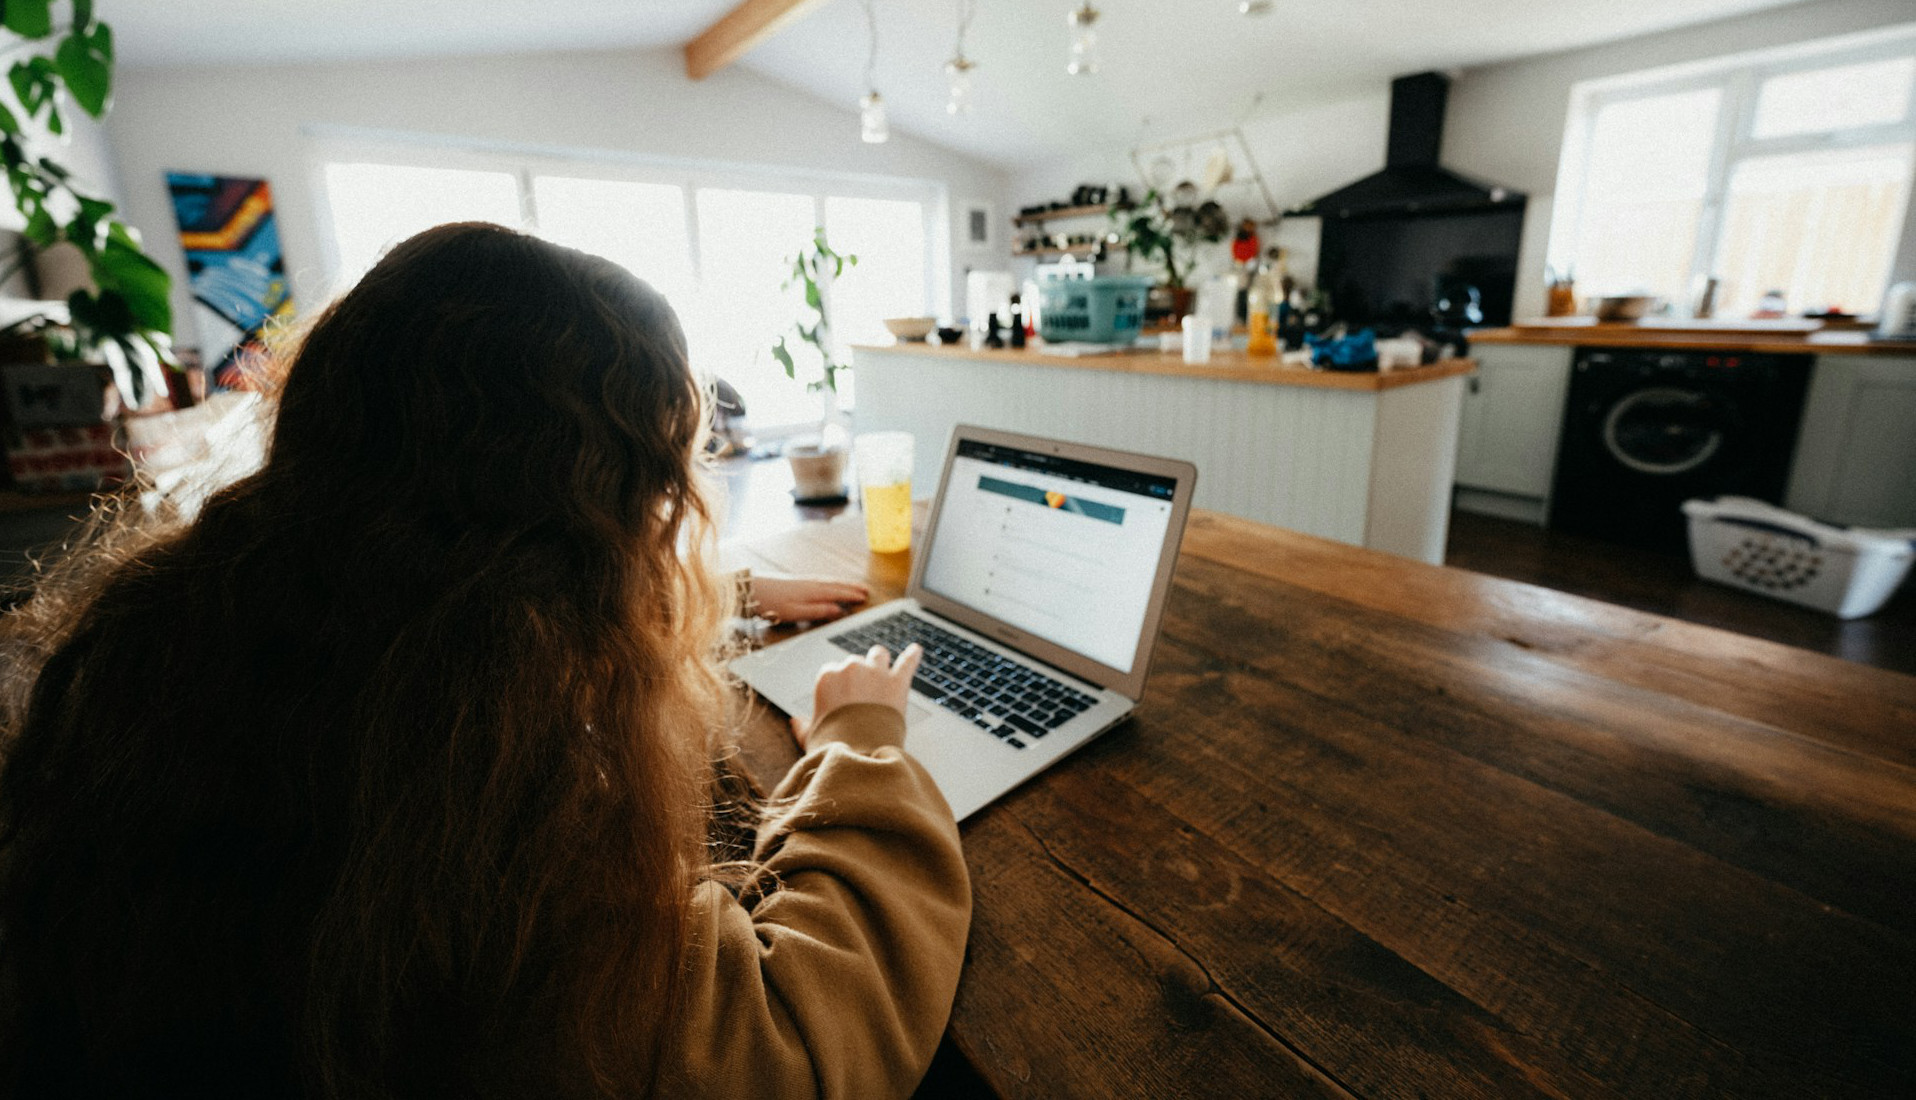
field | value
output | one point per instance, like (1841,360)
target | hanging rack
(1232,141)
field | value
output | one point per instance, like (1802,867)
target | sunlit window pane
(1872,93)
(375,206)
(888,237)
(1645,179)
(640,226)
(746,242)
(1820,227)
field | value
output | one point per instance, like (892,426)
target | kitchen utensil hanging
(1240,185)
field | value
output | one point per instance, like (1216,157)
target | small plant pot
(818,473)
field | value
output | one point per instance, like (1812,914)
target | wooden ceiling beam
(738,30)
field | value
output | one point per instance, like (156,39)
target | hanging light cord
(966,9)
(871,59)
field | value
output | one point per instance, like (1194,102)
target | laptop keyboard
(998,695)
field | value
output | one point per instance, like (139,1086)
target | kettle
(1898,321)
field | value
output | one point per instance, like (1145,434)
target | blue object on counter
(1355,352)
(1105,310)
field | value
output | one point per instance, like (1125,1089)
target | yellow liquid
(1260,342)
(888,517)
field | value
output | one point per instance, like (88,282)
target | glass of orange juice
(884,478)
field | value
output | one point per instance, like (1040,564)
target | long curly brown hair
(387,775)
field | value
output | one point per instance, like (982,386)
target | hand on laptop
(804,599)
(873,678)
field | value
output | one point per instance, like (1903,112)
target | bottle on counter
(1017,322)
(994,332)
(1260,322)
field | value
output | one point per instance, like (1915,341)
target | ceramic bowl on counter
(913,329)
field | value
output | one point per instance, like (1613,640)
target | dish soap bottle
(1264,294)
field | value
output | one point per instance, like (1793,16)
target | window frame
(1739,80)
(332,145)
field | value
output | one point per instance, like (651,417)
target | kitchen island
(1363,458)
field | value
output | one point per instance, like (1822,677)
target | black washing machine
(1646,429)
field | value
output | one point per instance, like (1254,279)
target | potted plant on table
(818,466)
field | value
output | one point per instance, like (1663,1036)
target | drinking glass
(884,478)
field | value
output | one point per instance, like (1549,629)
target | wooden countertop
(1380,828)
(1781,338)
(1227,366)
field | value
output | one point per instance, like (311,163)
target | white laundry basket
(1848,572)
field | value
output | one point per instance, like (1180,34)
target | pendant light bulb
(1084,40)
(872,124)
(958,74)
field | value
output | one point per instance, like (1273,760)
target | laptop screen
(1062,549)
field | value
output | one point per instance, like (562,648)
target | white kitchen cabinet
(1856,455)
(1512,421)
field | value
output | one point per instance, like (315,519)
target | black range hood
(1412,183)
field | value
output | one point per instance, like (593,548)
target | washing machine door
(1667,431)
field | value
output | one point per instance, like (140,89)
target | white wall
(1504,125)
(253,122)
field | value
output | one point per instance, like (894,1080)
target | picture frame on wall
(978,226)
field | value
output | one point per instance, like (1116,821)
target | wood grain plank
(1357,1010)
(1794,809)
(1068,994)
(1866,709)
(734,34)
(1574,886)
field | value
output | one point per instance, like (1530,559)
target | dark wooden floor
(1665,584)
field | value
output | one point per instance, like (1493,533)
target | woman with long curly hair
(392,772)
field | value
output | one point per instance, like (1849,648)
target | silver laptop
(1036,592)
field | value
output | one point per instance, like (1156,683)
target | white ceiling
(1170,68)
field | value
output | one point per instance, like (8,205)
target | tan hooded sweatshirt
(837,978)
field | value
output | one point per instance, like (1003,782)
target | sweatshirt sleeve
(834,978)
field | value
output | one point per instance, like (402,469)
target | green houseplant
(818,468)
(125,319)
(1160,235)
(813,268)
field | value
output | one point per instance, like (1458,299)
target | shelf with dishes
(1093,210)
(1082,251)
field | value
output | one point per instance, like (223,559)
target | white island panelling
(1369,466)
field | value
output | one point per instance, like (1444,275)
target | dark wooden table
(1380,828)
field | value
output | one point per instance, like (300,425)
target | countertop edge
(1233,366)
(1749,343)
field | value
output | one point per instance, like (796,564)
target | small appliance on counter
(1105,309)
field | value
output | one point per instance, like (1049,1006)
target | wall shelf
(1074,250)
(1099,210)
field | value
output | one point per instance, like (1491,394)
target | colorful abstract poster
(234,266)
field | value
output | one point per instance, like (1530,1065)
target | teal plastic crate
(1105,310)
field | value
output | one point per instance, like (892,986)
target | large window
(1777,176)
(716,243)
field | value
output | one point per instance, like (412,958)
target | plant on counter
(126,318)
(1150,230)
